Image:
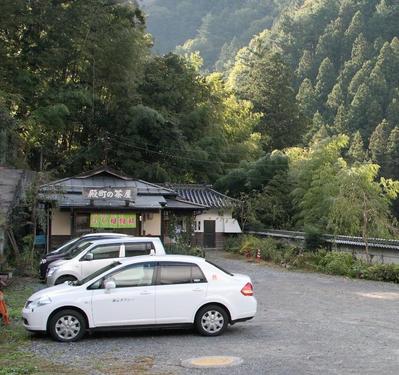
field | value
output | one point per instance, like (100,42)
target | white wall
(224,222)
(60,223)
(151,224)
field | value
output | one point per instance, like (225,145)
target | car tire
(211,320)
(62,279)
(67,326)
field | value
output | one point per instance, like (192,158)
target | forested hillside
(302,125)
(217,29)
(325,78)
(79,87)
(344,60)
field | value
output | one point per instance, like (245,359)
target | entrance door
(209,233)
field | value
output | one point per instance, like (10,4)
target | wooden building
(105,200)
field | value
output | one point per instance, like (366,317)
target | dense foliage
(217,29)
(301,125)
(329,262)
(344,59)
(79,88)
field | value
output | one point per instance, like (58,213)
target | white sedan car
(144,291)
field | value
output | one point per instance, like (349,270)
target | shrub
(314,239)
(322,260)
(382,272)
(250,245)
(183,249)
(233,244)
(336,263)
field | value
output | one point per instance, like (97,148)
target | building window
(199,225)
(82,224)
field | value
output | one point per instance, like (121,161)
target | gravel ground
(306,324)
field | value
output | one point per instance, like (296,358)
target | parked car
(145,291)
(88,257)
(65,249)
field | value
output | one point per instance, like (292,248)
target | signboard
(110,193)
(117,221)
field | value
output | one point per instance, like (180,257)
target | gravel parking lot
(306,324)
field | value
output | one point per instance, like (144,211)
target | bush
(382,272)
(336,263)
(184,249)
(233,244)
(314,239)
(322,260)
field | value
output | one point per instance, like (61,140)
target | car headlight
(51,270)
(38,302)
(43,261)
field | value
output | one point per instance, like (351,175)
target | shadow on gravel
(167,333)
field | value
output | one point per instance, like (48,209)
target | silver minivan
(91,256)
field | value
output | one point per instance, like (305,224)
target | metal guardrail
(377,243)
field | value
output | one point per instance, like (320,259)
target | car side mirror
(88,256)
(109,284)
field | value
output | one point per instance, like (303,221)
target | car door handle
(197,290)
(145,293)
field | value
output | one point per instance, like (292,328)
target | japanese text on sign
(110,193)
(112,220)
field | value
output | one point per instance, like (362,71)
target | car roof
(164,258)
(124,240)
(104,234)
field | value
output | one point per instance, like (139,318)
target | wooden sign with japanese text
(110,193)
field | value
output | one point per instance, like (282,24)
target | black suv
(63,251)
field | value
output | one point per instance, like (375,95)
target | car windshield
(97,273)
(77,250)
(65,247)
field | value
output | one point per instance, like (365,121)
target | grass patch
(15,358)
(329,262)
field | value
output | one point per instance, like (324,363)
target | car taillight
(248,290)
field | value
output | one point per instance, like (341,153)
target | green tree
(369,201)
(306,98)
(269,86)
(316,182)
(356,150)
(74,67)
(378,142)
(392,154)
(360,50)
(325,79)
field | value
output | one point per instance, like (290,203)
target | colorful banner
(113,221)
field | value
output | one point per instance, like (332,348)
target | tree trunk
(365,229)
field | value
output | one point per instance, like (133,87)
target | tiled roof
(203,194)
(103,178)
(67,192)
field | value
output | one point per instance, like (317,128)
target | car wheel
(67,326)
(211,320)
(62,279)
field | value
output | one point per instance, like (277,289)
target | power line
(143,147)
(182,149)
(172,156)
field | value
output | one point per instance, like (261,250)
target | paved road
(306,324)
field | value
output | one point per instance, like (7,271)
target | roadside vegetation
(15,358)
(317,260)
